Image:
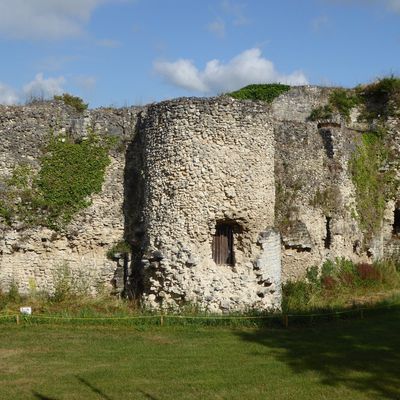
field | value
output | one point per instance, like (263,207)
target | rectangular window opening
(222,245)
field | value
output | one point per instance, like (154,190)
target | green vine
(69,174)
(374,183)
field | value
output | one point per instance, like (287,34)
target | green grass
(343,359)
(264,92)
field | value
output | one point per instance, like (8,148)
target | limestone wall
(184,166)
(206,161)
(37,258)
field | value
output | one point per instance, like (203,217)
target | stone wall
(37,258)
(279,181)
(205,162)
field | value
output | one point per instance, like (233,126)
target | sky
(133,52)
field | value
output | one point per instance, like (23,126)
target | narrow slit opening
(328,237)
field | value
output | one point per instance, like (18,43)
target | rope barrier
(163,317)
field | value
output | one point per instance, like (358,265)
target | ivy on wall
(374,182)
(70,172)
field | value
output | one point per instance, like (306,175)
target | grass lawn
(342,359)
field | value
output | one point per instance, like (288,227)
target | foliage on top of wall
(74,101)
(265,92)
(374,182)
(381,98)
(69,174)
(340,100)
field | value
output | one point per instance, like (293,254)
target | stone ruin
(219,199)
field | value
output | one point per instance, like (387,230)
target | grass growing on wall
(373,182)
(75,102)
(341,101)
(70,172)
(378,100)
(381,98)
(264,92)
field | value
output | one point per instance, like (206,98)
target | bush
(343,101)
(321,113)
(381,98)
(264,92)
(73,101)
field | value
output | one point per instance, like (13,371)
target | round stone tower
(202,196)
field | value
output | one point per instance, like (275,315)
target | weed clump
(338,283)
(74,101)
(264,92)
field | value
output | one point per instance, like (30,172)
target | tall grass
(339,284)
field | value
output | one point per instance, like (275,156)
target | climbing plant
(374,182)
(70,172)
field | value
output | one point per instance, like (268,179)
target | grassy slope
(347,359)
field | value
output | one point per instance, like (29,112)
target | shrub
(340,100)
(320,113)
(13,292)
(62,283)
(265,92)
(73,101)
(367,272)
(343,101)
(381,98)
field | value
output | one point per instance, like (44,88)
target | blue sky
(125,52)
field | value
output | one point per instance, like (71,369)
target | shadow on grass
(42,397)
(363,355)
(93,388)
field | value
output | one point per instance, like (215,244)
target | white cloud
(181,73)
(217,27)
(7,95)
(45,19)
(44,88)
(246,68)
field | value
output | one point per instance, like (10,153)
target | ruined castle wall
(204,162)
(315,194)
(36,258)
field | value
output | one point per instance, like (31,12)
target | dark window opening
(328,237)
(396,222)
(327,140)
(222,245)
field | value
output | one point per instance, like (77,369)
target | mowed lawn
(343,359)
